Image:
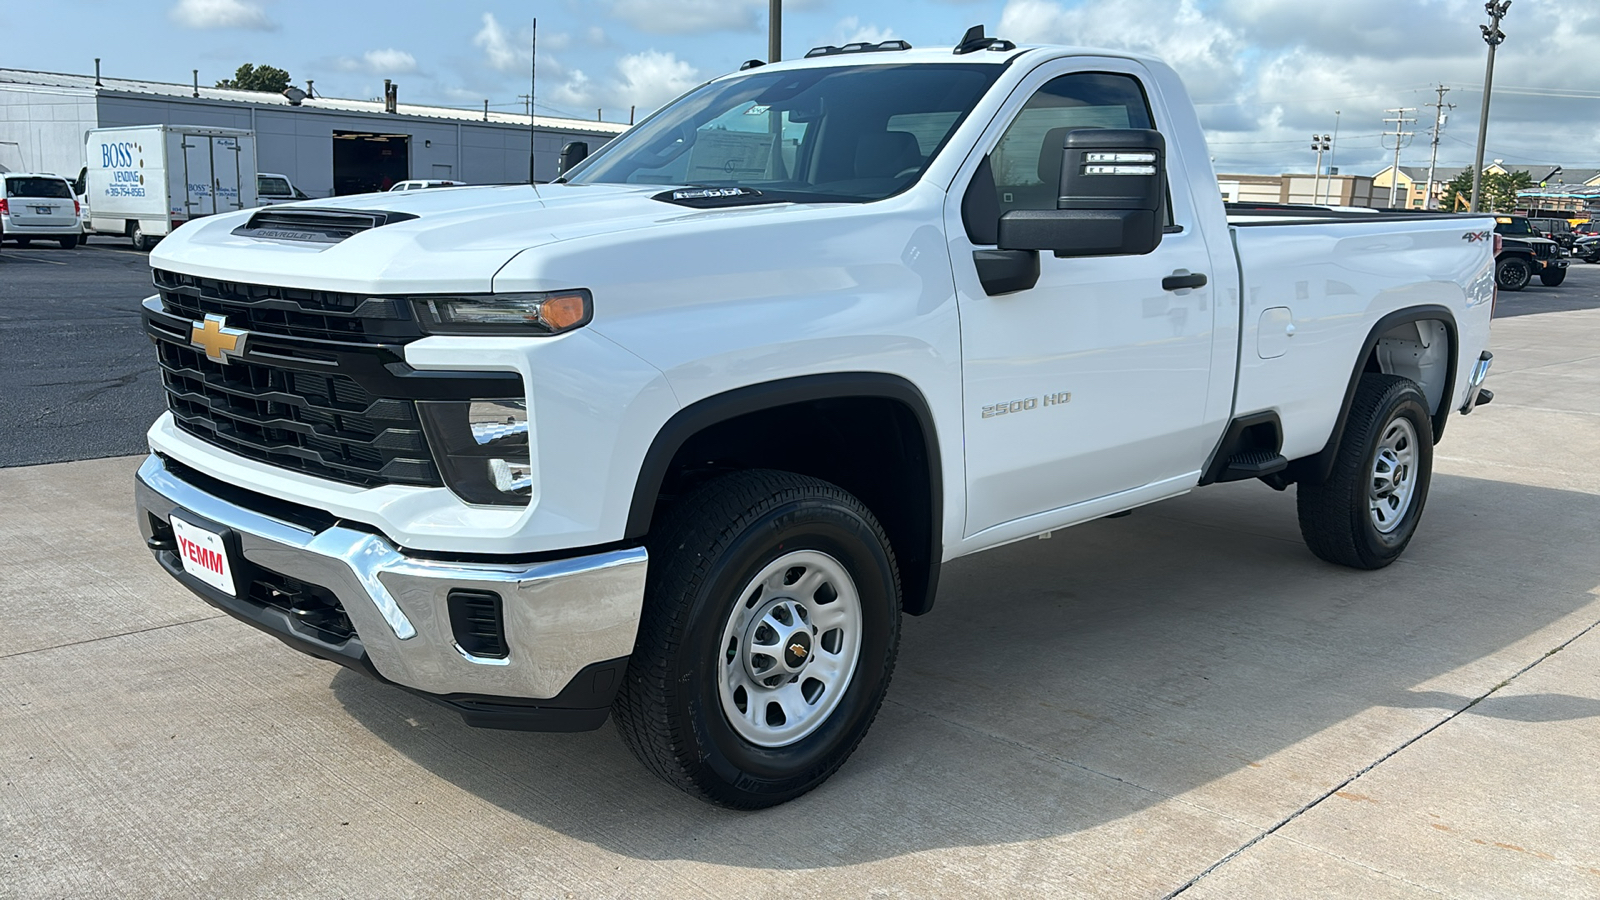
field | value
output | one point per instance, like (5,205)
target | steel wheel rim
(789,648)
(1393,479)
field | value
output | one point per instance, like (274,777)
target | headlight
(481,447)
(552,312)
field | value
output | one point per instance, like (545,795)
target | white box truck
(143,181)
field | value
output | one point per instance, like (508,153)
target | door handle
(1181,279)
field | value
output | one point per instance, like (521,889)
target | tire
(69,243)
(737,556)
(1552,279)
(1512,273)
(23,242)
(140,241)
(1365,513)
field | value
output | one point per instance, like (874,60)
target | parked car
(272,188)
(1558,230)
(1587,248)
(417,184)
(38,206)
(1524,253)
(681,440)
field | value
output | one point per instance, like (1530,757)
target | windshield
(266,185)
(851,134)
(1509,225)
(55,188)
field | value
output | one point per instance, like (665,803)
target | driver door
(1092,382)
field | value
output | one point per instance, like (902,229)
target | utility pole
(1400,135)
(527,103)
(533,78)
(1494,37)
(774,30)
(1440,114)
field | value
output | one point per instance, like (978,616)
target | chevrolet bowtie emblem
(798,649)
(216,338)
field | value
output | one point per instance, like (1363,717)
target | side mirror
(1110,197)
(572,153)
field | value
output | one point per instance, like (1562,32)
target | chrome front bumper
(562,619)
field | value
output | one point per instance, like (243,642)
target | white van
(38,206)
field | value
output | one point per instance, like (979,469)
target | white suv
(39,206)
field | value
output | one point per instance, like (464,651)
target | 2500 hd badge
(1025,404)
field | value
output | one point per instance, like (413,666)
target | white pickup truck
(680,437)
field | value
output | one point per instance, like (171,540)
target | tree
(257,78)
(1498,191)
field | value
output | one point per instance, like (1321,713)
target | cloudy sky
(1265,73)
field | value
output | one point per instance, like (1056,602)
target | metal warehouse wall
(298,141)
(42,128)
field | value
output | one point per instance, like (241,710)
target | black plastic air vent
(317,226)
(478,624)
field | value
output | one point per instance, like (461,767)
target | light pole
(1494,37)
(1320,144)
(1333,148)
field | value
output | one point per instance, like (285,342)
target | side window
(1027,160)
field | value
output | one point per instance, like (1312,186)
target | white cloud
(244,14)
(644,80)
(386,62)
(849,30)
(1267,73)
(498,51)
(690,16)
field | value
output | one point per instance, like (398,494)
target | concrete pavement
(1181,701)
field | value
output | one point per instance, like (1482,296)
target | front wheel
(768,637)
(1365,513)
(1512,274)
(1552,277)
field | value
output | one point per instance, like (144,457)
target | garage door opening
(364,161)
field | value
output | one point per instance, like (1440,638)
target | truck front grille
(322,424)
(292,312)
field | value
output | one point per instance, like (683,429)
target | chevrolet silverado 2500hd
(679,438)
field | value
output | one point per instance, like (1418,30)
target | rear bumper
(11,230)
(568,625)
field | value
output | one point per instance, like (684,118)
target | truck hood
(458,239)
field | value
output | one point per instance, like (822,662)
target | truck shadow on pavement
(1194,650)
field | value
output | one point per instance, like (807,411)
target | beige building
(1334,190)
(1412,191)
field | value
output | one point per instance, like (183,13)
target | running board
(1252,464)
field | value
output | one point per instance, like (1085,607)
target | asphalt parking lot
(1179,702)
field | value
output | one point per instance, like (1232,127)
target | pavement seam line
(1377,762)
(107,637)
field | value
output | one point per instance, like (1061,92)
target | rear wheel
(1512,273)
(768,637)
(1365,513)
(23,242)
(1552,277)
(140,242)
(67,243)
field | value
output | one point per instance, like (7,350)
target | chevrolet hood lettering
(217,340)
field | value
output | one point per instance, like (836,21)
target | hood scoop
(316,226)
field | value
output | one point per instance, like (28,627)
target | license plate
(44,210)
(203,555)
